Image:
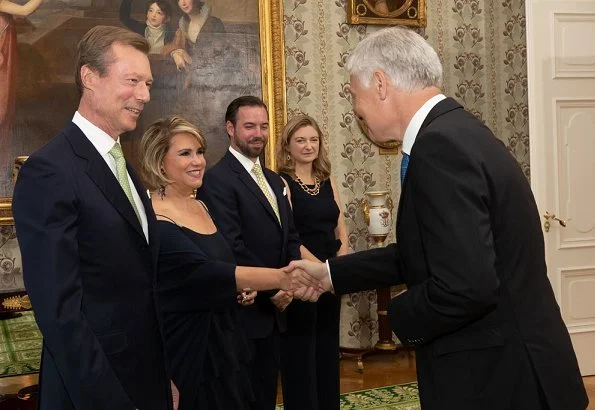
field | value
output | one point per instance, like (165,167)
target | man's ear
(380,82)
(88,77)
(230,128)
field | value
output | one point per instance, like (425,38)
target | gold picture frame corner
(6,217)
(389,151)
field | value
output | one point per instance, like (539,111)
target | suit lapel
(250,183)
(443,107)
(102,176)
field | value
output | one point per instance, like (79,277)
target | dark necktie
(404,163)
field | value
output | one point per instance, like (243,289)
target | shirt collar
(417,120)
(99,138)
(244,160)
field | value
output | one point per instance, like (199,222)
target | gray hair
(405,56)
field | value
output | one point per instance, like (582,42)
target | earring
(161,191)
(288,157)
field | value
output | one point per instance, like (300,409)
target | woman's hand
(246,297)
(181,58)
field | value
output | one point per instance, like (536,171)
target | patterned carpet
(398,397)
(20,351)
(20,345)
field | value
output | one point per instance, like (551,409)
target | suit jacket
(90,274)
(479,307)
(245,217)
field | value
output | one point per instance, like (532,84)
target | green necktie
(122,174)
(257,170)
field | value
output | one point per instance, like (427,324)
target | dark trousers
(310,355)
(264,370)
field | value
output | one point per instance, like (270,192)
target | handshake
(306,280)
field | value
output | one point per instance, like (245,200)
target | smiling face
(155,16)
(116,99)
(251,131)
(304,145)
(186,6)
(184,162)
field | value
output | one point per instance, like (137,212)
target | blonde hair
(156,141)
(321,167)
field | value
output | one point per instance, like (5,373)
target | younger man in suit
(250,207)
(479,308)
(86,231)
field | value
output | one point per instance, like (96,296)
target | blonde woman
(198,280)
(312,338)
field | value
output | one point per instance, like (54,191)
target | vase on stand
(378,208)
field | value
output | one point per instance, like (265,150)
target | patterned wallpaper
(483,49)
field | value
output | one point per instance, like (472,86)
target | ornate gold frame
(409,13)
(6,211)
(272,61)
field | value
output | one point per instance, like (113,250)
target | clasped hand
(306,280)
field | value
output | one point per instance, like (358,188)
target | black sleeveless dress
(311,343)
(204,340)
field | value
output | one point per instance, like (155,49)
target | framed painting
(244,55)
(404,12)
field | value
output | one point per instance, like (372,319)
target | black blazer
(246,219)
(90,274)
(479,307)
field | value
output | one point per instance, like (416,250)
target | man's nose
(143,93)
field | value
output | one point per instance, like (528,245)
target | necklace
(310,191)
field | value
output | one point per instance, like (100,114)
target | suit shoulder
(54,150)
(272,175)
(217,171)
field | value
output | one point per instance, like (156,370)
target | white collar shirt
(103,143)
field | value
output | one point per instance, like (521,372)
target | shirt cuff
(328,269)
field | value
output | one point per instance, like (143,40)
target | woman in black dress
(199,284)
(311,343)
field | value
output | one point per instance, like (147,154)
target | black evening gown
(204,340)
(311,343)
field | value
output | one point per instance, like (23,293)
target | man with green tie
(86,232)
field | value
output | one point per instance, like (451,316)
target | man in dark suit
(86,231)
(250,207)
(479,308)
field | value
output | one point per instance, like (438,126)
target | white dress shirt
(103,143)
(417,120)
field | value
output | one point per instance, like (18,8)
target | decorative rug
(398,397)
(20,345)
(20,353)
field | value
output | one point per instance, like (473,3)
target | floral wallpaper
(483,49)
(11,276)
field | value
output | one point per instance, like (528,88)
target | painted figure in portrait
(204,54)
(9,10)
